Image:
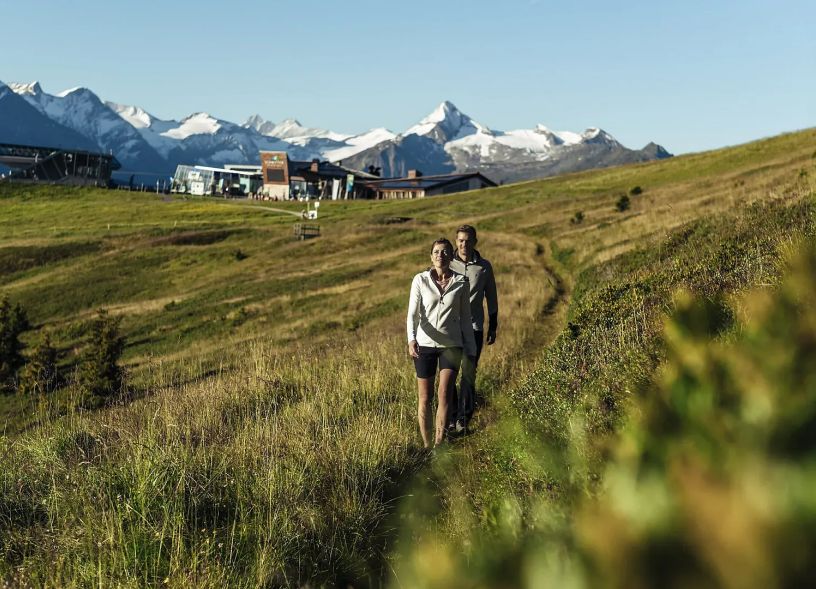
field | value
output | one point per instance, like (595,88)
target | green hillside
(271,426)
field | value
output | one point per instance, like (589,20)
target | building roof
(24,156)
(424,182)
(325,170)
(228,171)
(245,167)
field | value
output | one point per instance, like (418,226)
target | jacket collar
(454,278)
(476,257)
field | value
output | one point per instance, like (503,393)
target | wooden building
(284,178)
(415,185)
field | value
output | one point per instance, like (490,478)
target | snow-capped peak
(447,123)
(445,110)
(199,123)
(596,135)
(443,140)
(32,88)
(76,90)
(259,124)
(136,116)
(255,121)
(591,133)
(290,130)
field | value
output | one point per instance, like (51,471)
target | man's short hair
(469,229)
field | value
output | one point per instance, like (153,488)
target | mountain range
(446,140)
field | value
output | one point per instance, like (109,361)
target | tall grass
(617,460)
(277,470)
(275,473)
(270,438)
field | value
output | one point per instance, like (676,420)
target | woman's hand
(413,349)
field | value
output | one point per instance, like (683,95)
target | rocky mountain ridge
(444,141)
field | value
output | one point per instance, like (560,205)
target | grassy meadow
(269,438)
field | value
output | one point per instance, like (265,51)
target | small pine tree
(13,322)
(40,376)
(100,376)
(623,203)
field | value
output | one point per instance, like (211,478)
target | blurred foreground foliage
(712,485)
(675,430)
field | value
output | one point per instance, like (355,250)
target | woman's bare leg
(424,394)
(445,377)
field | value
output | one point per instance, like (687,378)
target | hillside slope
(273,420)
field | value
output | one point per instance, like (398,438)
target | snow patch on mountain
(358,143)
(537,143)
(196,124)
(567,137)
(480,143)
(137,117)
(70,91)
(291,130)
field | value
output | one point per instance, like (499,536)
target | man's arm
(492,297)
(491,329)
(468,338)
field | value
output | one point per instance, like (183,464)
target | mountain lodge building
(415,185)
(280,178)
(55,165)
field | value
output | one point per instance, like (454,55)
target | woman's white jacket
(441,320)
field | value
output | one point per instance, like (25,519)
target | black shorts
(429,357)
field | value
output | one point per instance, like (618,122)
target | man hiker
(479,273)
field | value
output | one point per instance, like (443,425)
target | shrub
(708,484)
(635,190)
(100,376)
(40,374)
(623,203)
(577,218)
(13,322)
(721,448)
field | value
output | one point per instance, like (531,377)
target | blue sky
(689,75)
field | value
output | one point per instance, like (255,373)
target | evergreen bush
(13,322)
(40,376)
(100,376)
(623,203)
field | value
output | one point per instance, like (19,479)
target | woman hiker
(439,331)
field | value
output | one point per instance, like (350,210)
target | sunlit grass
(271,429)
